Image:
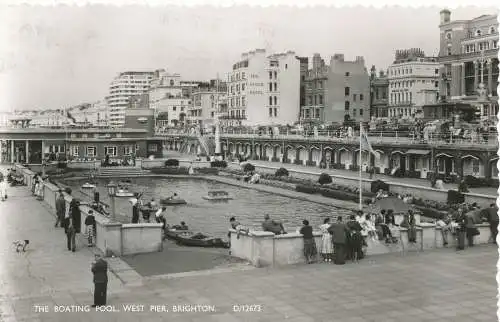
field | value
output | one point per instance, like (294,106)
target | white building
(413,83)
(50,118)
(124,86)
(172,111)
(94,114)
(206,107)
(264,90)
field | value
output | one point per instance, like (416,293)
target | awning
(418,152)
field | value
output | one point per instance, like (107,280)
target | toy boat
(217,195)
(187,238)
(87,185)
(124,193)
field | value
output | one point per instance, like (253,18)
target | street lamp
(112,193)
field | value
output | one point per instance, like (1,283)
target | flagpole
(360,178)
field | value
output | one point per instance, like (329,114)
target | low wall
(157,163)
(395,187)
(111,237)
(263,249)
(90,165)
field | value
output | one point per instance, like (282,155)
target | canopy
(394,203)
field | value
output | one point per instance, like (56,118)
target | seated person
(276,227)
(174,197)
(183,226)
(237,226)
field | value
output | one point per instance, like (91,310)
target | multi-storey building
(413,83)
(124,86)
(264,90)
(379,91)
(468,55)
(312,109)
(50,118)
(348,90)
(205,107)
(92,115)
(172,111)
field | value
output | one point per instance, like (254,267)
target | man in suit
(338,231)
(60,209)
(100,271)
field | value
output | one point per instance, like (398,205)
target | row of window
(412,82)
(480,46)
(407,71)
(238,76)
(237,87)
(275,73)
(238,101)
(273,98)
(398,112)
(398,98)
(237,113)
(306,113)
(91,151)
(273,85)
(347,92)
(318,84)
(318,99)
(271,110)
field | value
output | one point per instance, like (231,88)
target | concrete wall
(111,237)
(266,249)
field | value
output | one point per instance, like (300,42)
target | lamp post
(112,193)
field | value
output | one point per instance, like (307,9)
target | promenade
(440,285)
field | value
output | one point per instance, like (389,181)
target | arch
(289,147)
(398,152)
(268,152)
(469,156)
(343,149)
(380,151)
(299,147)
(267,144)
(472,166)
(443,155)
(328,148)
(314,147)
(303,154)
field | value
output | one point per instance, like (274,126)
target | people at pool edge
(273,226)
(173,197)
(160,217)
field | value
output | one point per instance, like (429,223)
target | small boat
(172,202)
(217,195)
(187,238)
(87,185)
(124,193)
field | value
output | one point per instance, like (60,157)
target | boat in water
(124,193)
(190,239)
(217,195)
(87,185)
(172,202)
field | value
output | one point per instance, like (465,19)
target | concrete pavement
(440,285)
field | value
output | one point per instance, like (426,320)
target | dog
(21,245)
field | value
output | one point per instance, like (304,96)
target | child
(90,228)
(238,227)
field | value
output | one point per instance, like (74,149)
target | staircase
(207,144)
(110,172)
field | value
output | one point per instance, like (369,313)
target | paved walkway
(440,285)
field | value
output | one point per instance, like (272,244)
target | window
(275,87)
(152,148)
(354,112)
(361,97)
(478,33)
(75,150)
(286,66)
(316,113)
(347,91)
(275,75)
(495,44)
(347,105)
(360,112)
(448,51)
(91,151)
(448,35)
(275,100)
(354,97)
(270,75)
(321,99)
(484,45)
(275,112)
(436,84)
(270,100)
(243,75)
(270,112)
(270,87)
(347,73)
(128,149)
(243,101)
(492,30)
(174,108)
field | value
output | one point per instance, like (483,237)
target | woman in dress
(326,241)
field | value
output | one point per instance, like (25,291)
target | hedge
(218,164)
(249,167)
(473,182)
(172,163)
(170,170)
(377,185)
(455,197)
(281,172)
(330,193)
(324,178)
(208,171)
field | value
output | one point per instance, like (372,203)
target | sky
(56,57)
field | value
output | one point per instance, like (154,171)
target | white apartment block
(124,86)
(264,90)
(413,83)
(206,107)
(172,111)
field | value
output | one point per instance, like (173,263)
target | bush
(455,197)
(218,164)
(170,170)
(377,185)
(249,167)
(281,172)
(473,182)
(172,163)
(324,178)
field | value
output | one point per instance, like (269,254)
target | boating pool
(212,217)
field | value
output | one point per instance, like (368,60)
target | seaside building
(264,89)
(348,90)
(95,114)
(315,84)
(379,92)
(124,86)
(468,57)
(413,83)
(206,107)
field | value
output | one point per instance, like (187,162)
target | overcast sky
(52,57)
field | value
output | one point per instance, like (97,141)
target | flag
(365,144)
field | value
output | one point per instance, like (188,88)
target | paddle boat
(123,193)
(87,185)
(190,239)
(217,195)
(172,201)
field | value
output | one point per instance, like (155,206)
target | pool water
(212,217)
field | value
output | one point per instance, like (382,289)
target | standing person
(354,239)
(461,229)
(471,229)
(60,208)
(74,224)
(3,188)
(135,209)
(90,228)
(326,241)
(491,215)
(310,250)
(339,239)
(100,271)
(160,217)
(409,223)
